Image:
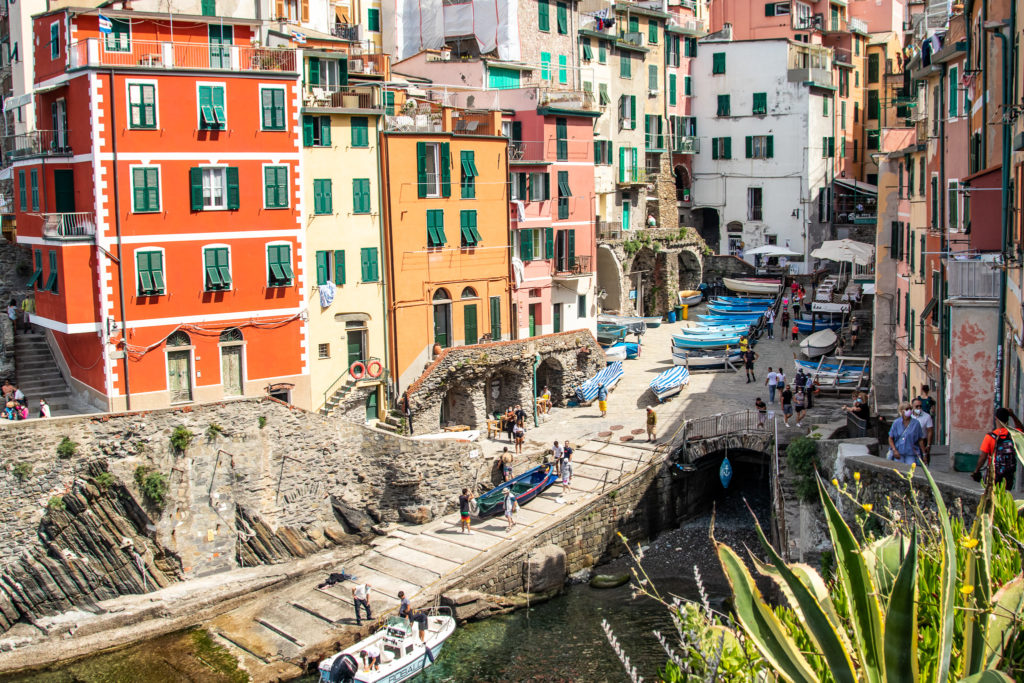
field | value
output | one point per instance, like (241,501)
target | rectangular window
(142,105)
(360,131)
(687,87)
(543,15)
(564,192)
(316,131)
(873,105)
(873,68)
(873,138)
(433,169)
(585,49)
(272,108)
(828,147)
(627,112)
(581,306)
(368,267)
(602,92)
(435,228)
(672,49)
(469,173)
(754,195)
(214,188)
(467,229)
(145,189)
(323,351)
(954,85)
(760,103)
(323,196)
(721,148)
(652,32)
(34,175)
(652,76)
(539,187)
(723,105)
(760,146)
(149,269)
(373,19)
(495,318)
(545,66)
(672,89)
(563,69)
(561,140)
(22,192)
(212,112)
(824,106)
(55,40)
(562,18)
(519,184)
(217,269)
(275,187)
(279,265)
(718,63)
(625,65)
(690,47)
(360,195)
(602,151)
(634,25)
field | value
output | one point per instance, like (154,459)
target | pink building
(680,49)
(552,209)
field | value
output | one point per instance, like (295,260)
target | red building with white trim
(162,200)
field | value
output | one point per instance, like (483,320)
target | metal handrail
(331,388)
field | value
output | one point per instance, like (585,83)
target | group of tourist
(22,313)
(911,433)
(16,405)
(795,399)
(513,423)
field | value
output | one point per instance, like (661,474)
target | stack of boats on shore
(713,340)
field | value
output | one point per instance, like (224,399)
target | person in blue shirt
(906,437)
(602,399)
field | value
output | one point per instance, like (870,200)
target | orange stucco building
(446,237)
(162,203)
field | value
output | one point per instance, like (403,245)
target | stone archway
(550,374)
(459,408)
(710,228)
(683,180)
(691,272)
(647,275)
(609,279)
(502,390)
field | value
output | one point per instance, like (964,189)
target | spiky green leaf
(1008,602)
(901,620)
(979,575)
(990,676)
(947,590)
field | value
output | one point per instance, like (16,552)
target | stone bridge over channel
(738,431)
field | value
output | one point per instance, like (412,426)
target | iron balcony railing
(37,143)
(973,279)
(609,230)
(372,63)
(329,97)
(578,265)
(346,32)
(151,54)
(80,225)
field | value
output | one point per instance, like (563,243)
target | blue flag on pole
(105,25)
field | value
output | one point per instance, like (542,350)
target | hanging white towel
(326,294)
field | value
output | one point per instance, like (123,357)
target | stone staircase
(37,373)
(393,422)
(336,398)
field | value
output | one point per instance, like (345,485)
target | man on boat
(602,399)
(652,424)
(404,608)
(463,514)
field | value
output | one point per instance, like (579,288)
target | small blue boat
(805,326)
(670,382)
(632,349)
(742,300)
(609,376)
(610,334)
(731,310)
(719,319)
(714,329)
(525,488)
(705,342)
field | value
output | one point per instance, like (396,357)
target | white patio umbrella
(772,250)
(845,250)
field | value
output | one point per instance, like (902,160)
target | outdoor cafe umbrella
(845,250)
(772,250)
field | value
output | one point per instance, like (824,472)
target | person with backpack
(511,505)
(998,456)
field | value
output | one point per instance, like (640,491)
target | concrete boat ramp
(303,622)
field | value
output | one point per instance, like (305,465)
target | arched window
(232,334)
(442,295)
(179,338)
(469,293)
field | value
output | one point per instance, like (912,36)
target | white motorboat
(819,343)
(403,654)
(752,286)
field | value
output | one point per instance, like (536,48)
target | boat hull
(440,628)
(819,343)
(805,325)
(705,342)
(751,286)
(526,487)
(691,300)
(703,362)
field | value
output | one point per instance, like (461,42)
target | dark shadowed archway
(690,270)
(609,278)
(550,374)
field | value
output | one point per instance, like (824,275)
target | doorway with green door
(534,319)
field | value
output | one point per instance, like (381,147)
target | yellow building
(342,219)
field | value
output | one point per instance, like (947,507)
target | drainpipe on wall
(536,362)
(117,227)
(381,122)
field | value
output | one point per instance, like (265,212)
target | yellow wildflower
(967,589)
(913,466)
(856,476)
(868,507)
(969,542)
(835,482)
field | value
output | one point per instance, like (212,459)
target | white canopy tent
(845,250)
(772,250)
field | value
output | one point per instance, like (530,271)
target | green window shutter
(672,89)
(718,63)
(608,152)
(954,83)
(924,246)
(368,262)
(138,189)
(233,195)
(602,94)
(824,148)
(750,146)
(272,102)
(562,17)
(467,229)
(562,142)
(727,152)
(769,9)
(325,131)
(632,112)
(831,147)
(223,267)
(145,189)
(570,247)
(34,175)
(526,245)
(622,164)
(360,132)
(313,69)
(760,103)
(22,191)
(563,70)
(602,52)
(873,104)
(275,187)
(54,40)
(435,228)
(495,318)
(37,274)
(723,105)
(308,123)
(598,155)
(543,15)
(770,147)
(625,65)
(652,76)
(339,267)
(321,268)
(212,273)
(446,170)
(545,66)
(195,181)
(421,169)
(361,195)
(873,68)
(51,282)
(373,19)
(588,53)
(549,243)
(824,106)
(652,32)
(714,147)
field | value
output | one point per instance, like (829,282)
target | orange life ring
(358,370)
(374,369)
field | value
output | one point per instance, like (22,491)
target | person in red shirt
(998,454)
(795,331)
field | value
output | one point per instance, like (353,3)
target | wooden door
(556,314)
(371,405)
(469,316)
(231,370)
(179,376)
(442,314)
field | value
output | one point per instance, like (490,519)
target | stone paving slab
(328,607)
(384,584)
(440,564)
(421,575)
(440,546)
(474,540)
(606,462)
(545,503)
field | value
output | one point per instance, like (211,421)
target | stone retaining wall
(260,482)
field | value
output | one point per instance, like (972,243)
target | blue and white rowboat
(705,342)
(609,376)
(670,382)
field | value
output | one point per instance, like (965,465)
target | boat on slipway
(525,488)
(753,286)
(819,343)
(670,382)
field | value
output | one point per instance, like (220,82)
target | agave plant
(867,626)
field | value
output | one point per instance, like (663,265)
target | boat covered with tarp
(609,376)
(670,382)
(525,488)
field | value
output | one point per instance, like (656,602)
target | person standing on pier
(602,399)
(506,464)
(361,596)
(652,424)
(556,456)
(510,504)
(772,382)
(769,322)
(464,512)
(749,356)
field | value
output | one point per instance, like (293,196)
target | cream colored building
(342,219)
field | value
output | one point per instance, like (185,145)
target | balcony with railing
(973,279)
(626,175)
(572,268)
(38,143)
(341,98)
(527,152)
(810,64)
(68,227)
(609,230)
(686,144)
(151,54)
(346,32)
(842,55)
(368,64)
(631,39)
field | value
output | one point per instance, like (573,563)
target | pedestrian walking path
(422,561)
